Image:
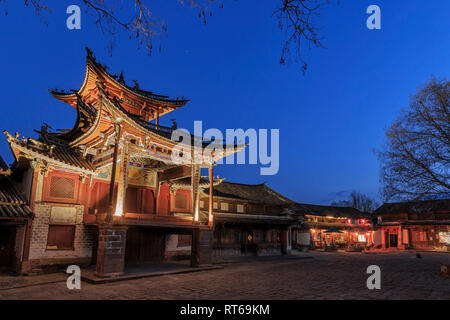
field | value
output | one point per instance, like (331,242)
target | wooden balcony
(175,220)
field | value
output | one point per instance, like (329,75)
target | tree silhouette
(415,160)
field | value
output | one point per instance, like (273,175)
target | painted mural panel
(136,175)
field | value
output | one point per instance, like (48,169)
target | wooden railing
(143,218)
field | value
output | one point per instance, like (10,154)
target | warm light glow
(119,209)
(356,233)
(349,221)
(196,214)
(363,221)
(362,238)
(368,233)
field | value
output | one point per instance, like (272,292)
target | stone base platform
(144,271)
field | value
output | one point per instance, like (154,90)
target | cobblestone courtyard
(325,276)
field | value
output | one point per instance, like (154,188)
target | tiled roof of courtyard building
(12,203)
(52,153)
(258,193)
(327,211)
(421,206)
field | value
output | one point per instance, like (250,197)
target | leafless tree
(296,18)
(358,201)
(415,160)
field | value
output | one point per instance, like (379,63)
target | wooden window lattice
(62,187)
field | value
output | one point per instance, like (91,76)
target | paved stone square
(324,276)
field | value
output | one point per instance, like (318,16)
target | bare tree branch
(297,18)
(358,201)
(415,161)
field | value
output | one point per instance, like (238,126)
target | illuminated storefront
(420,225)
(332,228)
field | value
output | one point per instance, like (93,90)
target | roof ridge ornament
(90,53)
(121,78)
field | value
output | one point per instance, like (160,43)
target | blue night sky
(330,120)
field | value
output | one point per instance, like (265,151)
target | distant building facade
(249,220)
(420,225)
(331,228)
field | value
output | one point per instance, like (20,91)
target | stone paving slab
(294,256)
(88,275)
(326,276)
(10,282)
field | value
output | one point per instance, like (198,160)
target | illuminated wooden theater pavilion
(108,190)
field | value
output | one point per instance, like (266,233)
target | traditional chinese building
(250,220)
(15,221)
(331,228)
(422,225)
(111,189)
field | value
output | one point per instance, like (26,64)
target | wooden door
(148,200)
(7,244)
(163,201)
(133,200)
(393,240)
(144,245)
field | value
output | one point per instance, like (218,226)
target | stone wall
(226,253)
(230,252)
(45,215)
(111,251)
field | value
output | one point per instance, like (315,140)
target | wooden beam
(195,181)
(157,118)
(175,173)
(110,213)
(123,180)
(210,218)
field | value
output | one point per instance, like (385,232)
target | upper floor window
(224,206)
(60,237)
(61,187)
(240,208)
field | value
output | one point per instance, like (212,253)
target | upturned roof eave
(33,154)
(99,69)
